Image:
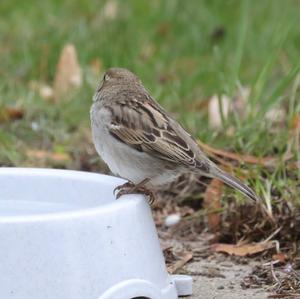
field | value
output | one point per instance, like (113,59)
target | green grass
(259,48)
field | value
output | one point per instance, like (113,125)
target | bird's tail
(234,183)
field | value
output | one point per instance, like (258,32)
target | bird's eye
(106,77)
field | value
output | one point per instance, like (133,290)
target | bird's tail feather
(235,183)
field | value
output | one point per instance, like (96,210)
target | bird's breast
(122,159)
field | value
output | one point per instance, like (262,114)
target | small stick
(179,264)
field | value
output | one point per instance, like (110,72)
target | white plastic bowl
(63,235)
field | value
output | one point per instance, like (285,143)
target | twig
(273,273)
(179,264)
(273,234)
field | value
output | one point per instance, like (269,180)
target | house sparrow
(141,142)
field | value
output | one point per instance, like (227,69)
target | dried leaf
(265,161)
(281,257)
(212,201)
(10,113)
(68,72)
(243,250)
(45,155)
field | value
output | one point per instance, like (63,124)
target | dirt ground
(189,249)
(221,280)
(215,275)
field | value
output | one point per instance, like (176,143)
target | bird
(142,143)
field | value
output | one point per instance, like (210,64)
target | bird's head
(116,77)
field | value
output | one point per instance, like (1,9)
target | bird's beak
(100,85)
(96,95)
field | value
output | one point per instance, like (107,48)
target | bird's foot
(125,186)
(131,188)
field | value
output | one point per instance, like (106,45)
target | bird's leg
(140,185)
(131,188)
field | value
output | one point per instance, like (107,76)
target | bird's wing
(143,125)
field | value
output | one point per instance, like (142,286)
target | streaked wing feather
(145,127)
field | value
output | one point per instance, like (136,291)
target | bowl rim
(132,199)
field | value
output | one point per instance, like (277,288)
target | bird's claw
(124,186)
(151,196)
(131,188)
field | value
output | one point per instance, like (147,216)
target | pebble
(172,219)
